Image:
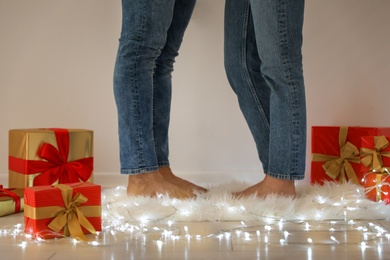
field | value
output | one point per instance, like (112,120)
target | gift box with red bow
(336,153)
(11,201)
(62,210)
(48,156)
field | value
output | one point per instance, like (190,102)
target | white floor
(200,240)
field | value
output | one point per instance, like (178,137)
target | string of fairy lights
(266,230)
(270,231)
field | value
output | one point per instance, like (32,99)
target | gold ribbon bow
(379,182)
(71,217)
(340,166)
(373,157)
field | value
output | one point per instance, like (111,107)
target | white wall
(57,58)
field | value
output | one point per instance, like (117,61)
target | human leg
(276,115)
(162,78)
(163,88)
(278,29)
(143,37)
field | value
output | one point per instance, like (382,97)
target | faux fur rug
(329,202)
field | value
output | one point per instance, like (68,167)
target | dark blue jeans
(263,62)
(152,32)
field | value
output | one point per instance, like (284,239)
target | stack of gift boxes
(50,179)
(359,155)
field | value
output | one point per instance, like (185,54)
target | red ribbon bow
(54,166)
(9,193)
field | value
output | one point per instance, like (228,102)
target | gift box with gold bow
(48,156)
(62,210)
(11,201)
(377,185)
(374,153)
(336,153)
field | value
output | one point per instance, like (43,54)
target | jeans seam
(291,177)
(137,115)
(247,74)
(163,163)
(153,116)
(287,71)
(139,170)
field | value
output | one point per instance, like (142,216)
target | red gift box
(62,210)
(375,153)
(377,186)
(336,153)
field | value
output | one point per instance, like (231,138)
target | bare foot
(268,186)
(168,174)
(152,184)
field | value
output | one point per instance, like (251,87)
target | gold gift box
(7,203)
(26,144)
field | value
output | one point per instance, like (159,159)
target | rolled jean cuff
(163,164)
(289,177)
(139,170)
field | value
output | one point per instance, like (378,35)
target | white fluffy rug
(329,202)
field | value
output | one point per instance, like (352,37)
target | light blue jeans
(263,62)
(152,32)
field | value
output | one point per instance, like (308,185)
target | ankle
(166,171)
(270,179)
(279,185)
(143,177)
